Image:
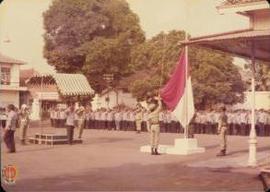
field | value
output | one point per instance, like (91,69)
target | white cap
(24,106)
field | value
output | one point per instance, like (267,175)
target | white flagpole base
(185,146)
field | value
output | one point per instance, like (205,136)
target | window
(5,75)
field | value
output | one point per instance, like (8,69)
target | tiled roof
(236,2)
(72,84)
(67,84)
(26,74)
(7,59)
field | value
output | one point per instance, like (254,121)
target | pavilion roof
(67,84)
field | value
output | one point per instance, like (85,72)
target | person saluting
(154,106)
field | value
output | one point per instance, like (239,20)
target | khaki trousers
(154,135)
(23,130)
(81,127)
(138,125)
(223,138)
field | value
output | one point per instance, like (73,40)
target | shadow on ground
(137,177)
(259,149)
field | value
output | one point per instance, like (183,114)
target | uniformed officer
(125,120)
(81,118)
(10,128)
(117,119)
(222,130)
(24,122)
(145,122)
(62,117)
(110,123)
(70,122)
(139,117)
(153,117)
(87,117)
(132,120)
(262,120)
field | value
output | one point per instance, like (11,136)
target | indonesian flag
(177,94)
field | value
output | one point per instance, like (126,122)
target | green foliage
(215,78)
(91,36)
(262,75)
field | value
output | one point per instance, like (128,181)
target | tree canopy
(94,37)
(214,76)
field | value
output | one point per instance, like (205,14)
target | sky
(21,23)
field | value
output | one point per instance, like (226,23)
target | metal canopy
(238,43)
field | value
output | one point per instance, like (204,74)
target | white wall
(123,98)
(9,97)
(262,100)
(15,75)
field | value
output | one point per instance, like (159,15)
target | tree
(262,75)
(92,37)
(214,76)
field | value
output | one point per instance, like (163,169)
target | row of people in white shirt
(236,117)
(203,122)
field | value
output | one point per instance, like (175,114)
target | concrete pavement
(111,161)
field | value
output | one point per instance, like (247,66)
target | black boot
(152,151)
(221,153)
(156,152)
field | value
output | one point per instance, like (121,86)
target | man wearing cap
(10,129)
(153,118)
(139,117)
(24,122)
(222,130)
(70,122)
(81,118)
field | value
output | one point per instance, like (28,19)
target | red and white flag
(177,94)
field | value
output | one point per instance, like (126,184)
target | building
(25,96)
(10,87)
(47,91)
(112,98)
(252,43)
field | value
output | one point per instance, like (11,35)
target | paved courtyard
(111,161)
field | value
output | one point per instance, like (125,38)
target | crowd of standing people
(123,118)
(131,119)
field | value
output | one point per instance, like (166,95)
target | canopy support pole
(252,161)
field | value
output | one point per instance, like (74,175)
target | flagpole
(186,90)
(162,60)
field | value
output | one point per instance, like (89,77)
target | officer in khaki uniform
(81,118)
(153,118)
(139,117)
(222,130)
(24,122)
